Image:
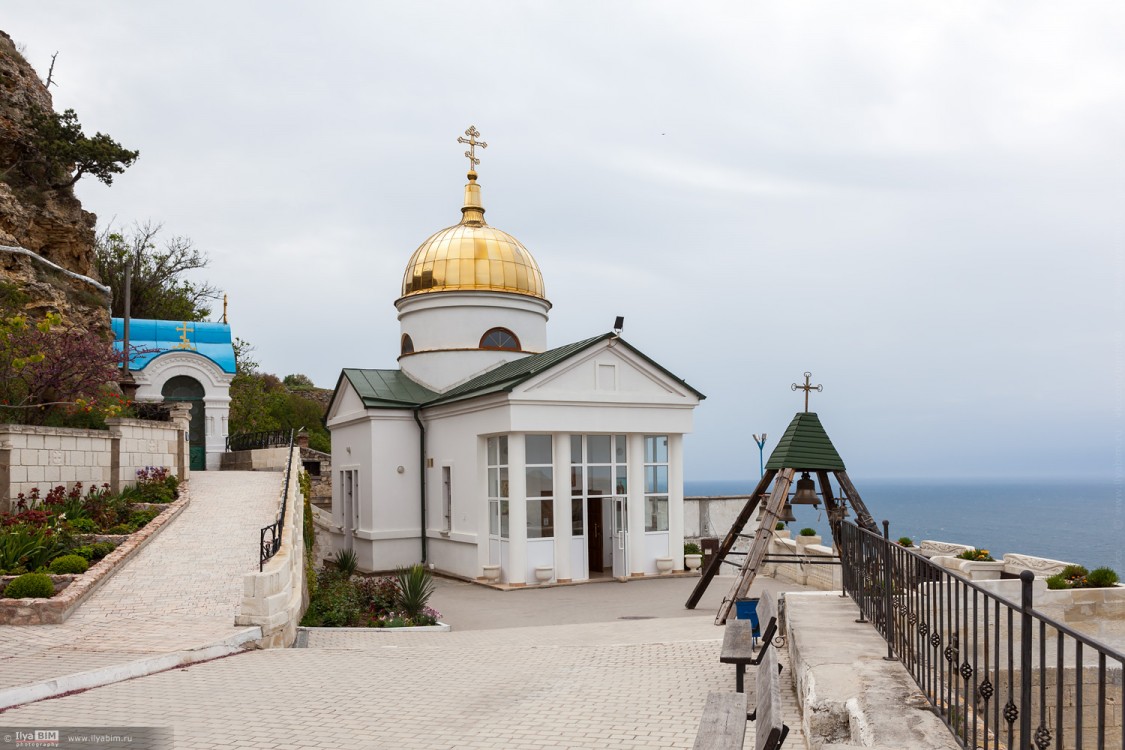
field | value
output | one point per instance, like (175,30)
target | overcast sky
(921,203)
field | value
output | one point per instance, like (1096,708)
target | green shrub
(139,518)
(82,525)
(69,564)
(906,541)
(415,586)
(780,526)
(808,532)
(86,551)
(102,549)
(1101,578)
(31,586)
(691,548)
(1074,571)
(121,528)
(27,546)
(346,561)
(977,555)
(1058,581)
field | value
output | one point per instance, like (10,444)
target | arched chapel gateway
(486,450)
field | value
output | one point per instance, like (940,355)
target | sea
(1079,521)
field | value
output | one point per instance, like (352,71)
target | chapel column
(517,510)
(636,505)
(676,500)
(563,528)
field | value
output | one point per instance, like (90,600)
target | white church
(488,455)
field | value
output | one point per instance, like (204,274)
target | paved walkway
(603,683)
(181,592)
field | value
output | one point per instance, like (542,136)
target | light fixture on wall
(401,469)
(618,325)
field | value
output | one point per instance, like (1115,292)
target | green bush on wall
(31,586)
(69,564)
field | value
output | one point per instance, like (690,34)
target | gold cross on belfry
(808,386)
(473,134)
(184,330)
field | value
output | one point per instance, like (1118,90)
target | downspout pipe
(422,475)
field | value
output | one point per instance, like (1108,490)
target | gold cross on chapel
(808,386)
(473,134)
(184,329)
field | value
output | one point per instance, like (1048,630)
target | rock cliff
(48,222)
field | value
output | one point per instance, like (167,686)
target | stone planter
(783,534)
(805,541)
(544,573)
(976,570)
(492,573)
(693,562)
(664,565)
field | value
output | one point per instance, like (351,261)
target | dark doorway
(594,537)
(188,389)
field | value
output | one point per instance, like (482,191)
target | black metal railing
(270,537)
(999,674)
(254,440)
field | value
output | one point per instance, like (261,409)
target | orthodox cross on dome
(808,386)
(473,134)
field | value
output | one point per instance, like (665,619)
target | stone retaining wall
(259,459)
(276,598)
(45,457)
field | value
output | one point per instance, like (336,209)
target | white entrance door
(348,496)
(620,537)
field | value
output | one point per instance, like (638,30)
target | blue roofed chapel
(185,361)
(492,455)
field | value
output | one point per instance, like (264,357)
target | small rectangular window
(447,498)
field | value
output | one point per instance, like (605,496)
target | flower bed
(340,599)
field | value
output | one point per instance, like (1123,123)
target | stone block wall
(276,598)
(259,459)
(45,457)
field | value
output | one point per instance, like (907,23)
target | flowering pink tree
(43,364)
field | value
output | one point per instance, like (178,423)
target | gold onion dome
(472,256)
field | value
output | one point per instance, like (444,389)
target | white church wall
(458,320)
(442,370)
(391,516)
(656,545)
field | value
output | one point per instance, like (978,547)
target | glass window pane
(661,449)
(504,519)
(492,451)
(650,479)
(576,480)
(576,527)
(503,444)
(503,483)
(576,449)
(622,481)
(540,519)
(650,449)
(493,518)
(661,479)
(598,447)
(494,483)
(599,480)
(538,449)
(540,481)
(656,514)
(619,449)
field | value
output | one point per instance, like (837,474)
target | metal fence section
(255,440)
(270,536)
(1000,674)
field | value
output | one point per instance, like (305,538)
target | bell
(762,505)
(806,492)
(787,513)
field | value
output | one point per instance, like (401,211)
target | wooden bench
(738,641)
(723,725)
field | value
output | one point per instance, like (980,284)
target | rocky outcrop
(47,221)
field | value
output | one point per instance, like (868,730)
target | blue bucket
(747,609)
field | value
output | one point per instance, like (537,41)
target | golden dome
(472,256)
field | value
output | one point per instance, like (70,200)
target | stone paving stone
(180,592)
(633,684)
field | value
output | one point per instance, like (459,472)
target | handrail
(268,547)
(972,651)
(255,440)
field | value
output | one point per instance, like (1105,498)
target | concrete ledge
(58,608)
(850,696)
(37,691)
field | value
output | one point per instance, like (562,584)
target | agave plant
(346,562)
(415,586)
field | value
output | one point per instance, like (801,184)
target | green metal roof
(383,389)
(392,389)
(805,445)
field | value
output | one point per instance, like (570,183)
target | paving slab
(178,595)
